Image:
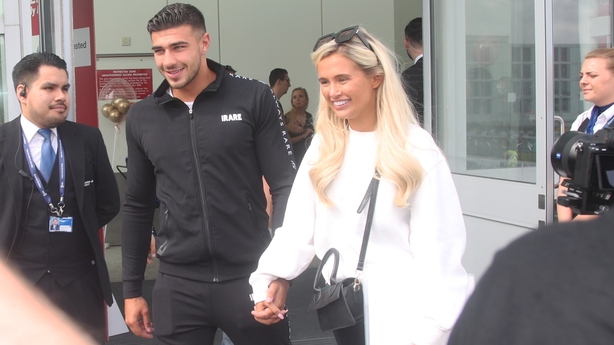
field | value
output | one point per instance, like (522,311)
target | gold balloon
(115,116)
(123,107)
(117,101)
(106,110)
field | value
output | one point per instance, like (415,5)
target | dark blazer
(413,80)
(94,182)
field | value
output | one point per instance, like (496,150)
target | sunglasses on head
(342,36)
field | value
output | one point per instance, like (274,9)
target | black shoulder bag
(340,304)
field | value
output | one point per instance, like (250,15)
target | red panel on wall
(85,76)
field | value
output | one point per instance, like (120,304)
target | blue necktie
(47,154)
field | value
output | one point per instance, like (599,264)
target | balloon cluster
(117,109)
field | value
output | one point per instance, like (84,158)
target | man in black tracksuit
(200,144)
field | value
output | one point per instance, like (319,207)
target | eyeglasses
(342,36)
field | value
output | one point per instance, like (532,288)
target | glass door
(487,72)
(490,112)
(504,75)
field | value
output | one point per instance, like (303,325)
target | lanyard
(37,179)
(595,113)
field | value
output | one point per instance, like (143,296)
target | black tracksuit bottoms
(189,312)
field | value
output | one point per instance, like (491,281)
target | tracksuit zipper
(201,194)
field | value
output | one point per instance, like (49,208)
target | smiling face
(597,82)
(180,55)
(299,99)
(46,100)
(349,92)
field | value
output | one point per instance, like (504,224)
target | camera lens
(564,152)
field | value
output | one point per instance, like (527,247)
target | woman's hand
(295,128)
(272,310)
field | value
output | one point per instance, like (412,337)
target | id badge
(60,224)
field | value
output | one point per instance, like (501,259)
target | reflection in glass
(493,104)
(500,94)
(580,26)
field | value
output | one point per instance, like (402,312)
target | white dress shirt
(35,140)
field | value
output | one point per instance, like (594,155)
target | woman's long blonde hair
(394,161)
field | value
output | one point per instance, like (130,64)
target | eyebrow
(174,44)
(49,83)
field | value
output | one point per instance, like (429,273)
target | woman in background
(413,281)
(299,124)
(597,85)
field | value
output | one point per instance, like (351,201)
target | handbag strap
(319,281)
(370,196)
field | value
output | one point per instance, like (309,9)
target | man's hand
(137,317)
(272,310)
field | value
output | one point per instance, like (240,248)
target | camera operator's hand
(585,217)
(564,213)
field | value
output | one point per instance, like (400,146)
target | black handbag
(340,304)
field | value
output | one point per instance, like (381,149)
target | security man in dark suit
(52,168)
(413,76)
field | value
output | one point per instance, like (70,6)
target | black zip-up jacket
(205,165)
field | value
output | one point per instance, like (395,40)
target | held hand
(137,317)
(272,309)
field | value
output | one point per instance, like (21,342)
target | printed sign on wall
(82,47)
(137,82)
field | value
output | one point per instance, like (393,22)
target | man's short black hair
(277,74)
(26,70)
(175,15)
(413,31)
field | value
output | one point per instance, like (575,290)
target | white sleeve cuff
(259,289)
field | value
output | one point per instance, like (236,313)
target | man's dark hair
(26,70)
(277,74)
(175,15)
(413,31)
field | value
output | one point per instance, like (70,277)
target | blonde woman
(299,124)
(597,85)
(414,283)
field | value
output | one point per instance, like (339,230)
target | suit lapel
(75,157)
(12,159)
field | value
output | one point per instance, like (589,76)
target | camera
(588,163)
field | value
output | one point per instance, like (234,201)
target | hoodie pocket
(265,238)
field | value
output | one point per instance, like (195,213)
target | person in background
(413,76)
(550,286)
(280,83)
(414,283)
(51,168)
(226,133)
(299,124)
(597,85)
(229,69)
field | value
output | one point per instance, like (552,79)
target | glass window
(484,87)
(579,26)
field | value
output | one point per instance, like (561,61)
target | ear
(21,91)
(377,80)
(205,41)
(406,43)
